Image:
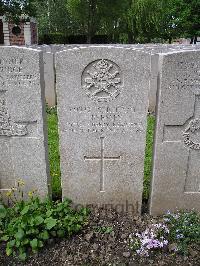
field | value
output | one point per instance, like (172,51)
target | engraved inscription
(7,126)
(102,80)
(186,80)
(104,119)
(14,72)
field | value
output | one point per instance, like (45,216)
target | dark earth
(103,241)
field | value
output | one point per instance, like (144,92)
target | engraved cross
(189,134)
(102,160)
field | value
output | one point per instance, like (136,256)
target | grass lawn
(148,156)
(54,156)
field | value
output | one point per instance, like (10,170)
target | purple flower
(166,219)
(165,242)
(152,238)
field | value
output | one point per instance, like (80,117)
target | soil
(103,241)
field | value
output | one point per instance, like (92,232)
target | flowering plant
(184,229)
(154,237)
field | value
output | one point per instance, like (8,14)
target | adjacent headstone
(102,109)
(23,141)
(155,50)
(153,83)
(176,170)
(49,77)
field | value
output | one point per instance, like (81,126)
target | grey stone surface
(153,83)
(49,78)
(49,73)
(176,169)
(154,51)
(102,108)
(23,140)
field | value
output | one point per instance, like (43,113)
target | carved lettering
(7,126)
(11,73)
(103,119)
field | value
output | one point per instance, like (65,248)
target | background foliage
(127,21)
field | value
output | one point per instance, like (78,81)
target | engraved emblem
(7,126)
(102,80)
(191,135)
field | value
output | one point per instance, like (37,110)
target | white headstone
(23,140)
(176,170)
(102,108)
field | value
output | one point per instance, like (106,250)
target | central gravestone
(102,107)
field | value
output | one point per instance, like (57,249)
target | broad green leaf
(38,220)
(50,223)
(3,212)
(40,244)
(18,243)
(4,238)
(44,235)
(22,256)
(8,251)
(25,241)
(49,213)
(11,243)
(34,243)
(20,234)
(25,210)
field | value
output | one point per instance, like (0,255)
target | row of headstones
(102,95)
(50,75)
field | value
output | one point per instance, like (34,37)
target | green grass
(54,156)
(148,156)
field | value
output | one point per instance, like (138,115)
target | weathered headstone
(102,108)
(155,50)
(176,170)
(23,141)
(49,78)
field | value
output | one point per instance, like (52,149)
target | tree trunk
(195,39)
(130,37)
(91,20)
(89,38)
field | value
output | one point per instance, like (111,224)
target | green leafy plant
(51,110)
(27,225)
(176,232)
(184,229)
(104,229)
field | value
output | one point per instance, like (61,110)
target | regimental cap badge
(102,80)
